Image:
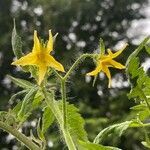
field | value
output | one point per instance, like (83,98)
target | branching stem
(19,136)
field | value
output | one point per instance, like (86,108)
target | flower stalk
(63,92)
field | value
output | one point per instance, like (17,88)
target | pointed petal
(107,72)
(109,52)
(29,59)
(49,46)
(36,46)
(116,64)
(119,52)
(51,62)
(96,71)
(42,72)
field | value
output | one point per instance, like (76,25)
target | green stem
(63,80)
(57,113)
(63,126)
(57,74)
(19,136)
(76,63)
(63,92)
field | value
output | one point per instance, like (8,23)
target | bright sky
(140,28)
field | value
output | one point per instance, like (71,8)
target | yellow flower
(40,57)
(106,61)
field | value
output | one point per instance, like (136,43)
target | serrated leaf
(14,96)
(10,118)
(33,105)
(47,119)
(116,129)
(16,43)
(21,82)
(139,107)
(37,100)
(3,115)
(93,146)
(133,67)
(26,106)
(102,47)
(75,123)
(39,131)
(135,93)
(138,49)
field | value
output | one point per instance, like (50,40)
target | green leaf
(47,119)
(14,96)
(141,110)
(116,129)
(16,42)
(37,100)
(136,52)
(21,83)
(39,131)
(139,107)
(26,106)
(17,108)
(3,115)
(102,47)
(147,47)
(75,123)
(93,146)
(133,67)
(135,92)
(146,144)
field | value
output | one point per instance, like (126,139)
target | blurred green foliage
(80,24)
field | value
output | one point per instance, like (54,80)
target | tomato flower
(40,57)
(105,61)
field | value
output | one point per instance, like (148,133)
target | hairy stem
(63,121)
(58,114)
(63,92)
(19,136)
(76,63)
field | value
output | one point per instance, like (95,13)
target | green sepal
(94,80)
(102,47)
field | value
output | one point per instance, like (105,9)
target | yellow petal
(51,62)
(29,59)
(109,52)
(36,46)
(116,64)
(96,71)
(42,72)
(119,52)
(107,72)
(49,46)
